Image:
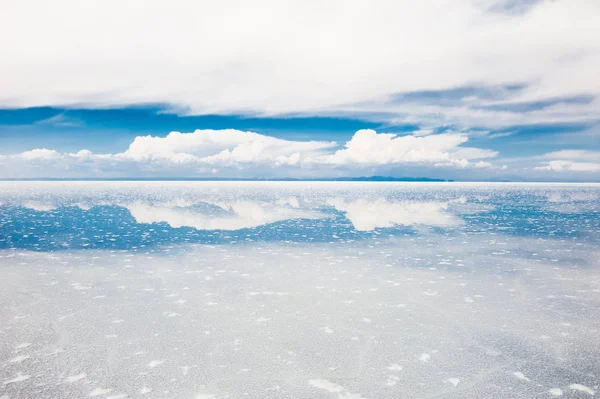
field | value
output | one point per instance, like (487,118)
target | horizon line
(375,179)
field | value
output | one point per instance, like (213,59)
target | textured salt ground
(316,290)
(437,315)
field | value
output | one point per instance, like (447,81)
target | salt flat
(288,290)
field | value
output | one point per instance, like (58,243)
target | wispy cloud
(502,134)
(581,155)
(60,120)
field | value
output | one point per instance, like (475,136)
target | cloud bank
(485,63)
(235,153)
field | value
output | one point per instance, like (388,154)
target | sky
(498,90)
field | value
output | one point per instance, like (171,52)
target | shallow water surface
(299,290)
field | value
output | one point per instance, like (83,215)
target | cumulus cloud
(472,62)
(369,147)
(235,153)
(222,147)
(39,154)
(571,161)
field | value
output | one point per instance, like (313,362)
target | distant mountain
(364,179)
(385,178)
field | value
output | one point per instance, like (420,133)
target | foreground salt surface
(442,313)
(380,320)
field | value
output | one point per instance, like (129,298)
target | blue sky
(112,130)
(300,91)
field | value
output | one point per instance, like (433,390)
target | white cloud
(570,166)
(571,161)
(234,153)
(39,154)
(222,147)
(480,112)
(306,57)
(581,155)
(370,148)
